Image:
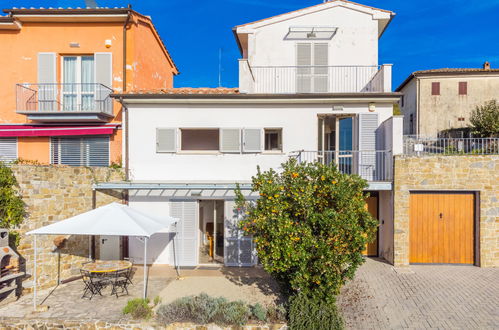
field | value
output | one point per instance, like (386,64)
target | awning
(40,130)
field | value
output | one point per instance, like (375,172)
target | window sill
(270,152)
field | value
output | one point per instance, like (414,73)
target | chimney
(486,65)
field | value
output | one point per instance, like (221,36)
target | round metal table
(106,266)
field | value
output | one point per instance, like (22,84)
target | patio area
(65,302)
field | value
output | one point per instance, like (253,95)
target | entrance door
(211,231)
(441,227)
(109,247)
(336,141)
(372,247)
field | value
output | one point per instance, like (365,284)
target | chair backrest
(85,275)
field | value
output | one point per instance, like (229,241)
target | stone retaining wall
(460,172)
(51,194)
(15,324)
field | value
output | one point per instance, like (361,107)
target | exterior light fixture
(372,107)
(311,35)
(108,43)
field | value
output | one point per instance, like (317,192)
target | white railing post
(387,77)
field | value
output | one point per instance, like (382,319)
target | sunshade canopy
(113,219)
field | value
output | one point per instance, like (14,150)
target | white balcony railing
(315,79)
(376,165)
(421,146)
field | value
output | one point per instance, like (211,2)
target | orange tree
(310,226)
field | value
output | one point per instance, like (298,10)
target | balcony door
(78,88)
(312,68)
(336,141)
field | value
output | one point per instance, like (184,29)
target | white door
(239,249)
(185,244)
(109,247)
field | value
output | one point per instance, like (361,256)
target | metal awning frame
(168,186)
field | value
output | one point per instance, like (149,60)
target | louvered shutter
(230,140)
(80,151)
(303,70)
(166,139)
(252,140)
(186,245)
(239,249)
(103,76)
(368,124)
(8,149)
(320,74)
(47,88)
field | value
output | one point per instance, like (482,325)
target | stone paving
(64,301)
(421,297)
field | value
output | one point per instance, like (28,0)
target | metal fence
(420,146)
(376,165)
(317,79)
(90,97)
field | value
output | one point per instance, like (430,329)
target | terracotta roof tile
(186,91)
(455,70)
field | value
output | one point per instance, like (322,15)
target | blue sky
(424,34)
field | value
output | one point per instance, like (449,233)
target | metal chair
(92,287)
(121,280)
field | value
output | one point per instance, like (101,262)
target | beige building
(443,99)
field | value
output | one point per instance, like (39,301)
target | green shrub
(203,307)
(313,313)
(157,300)
(232,313)
(176,311)
(138,308)
(259,312)
(276,313)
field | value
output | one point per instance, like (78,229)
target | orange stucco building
(59,67)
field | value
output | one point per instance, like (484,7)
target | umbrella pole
(34,276)
(145,267)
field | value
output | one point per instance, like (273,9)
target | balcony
(64,102)
(314,79)
(373,166)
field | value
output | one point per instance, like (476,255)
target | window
(78,78)
(200,139)
(273,139)
(402,101)
(463,88)
(8,149)
(80,151)
(435,88)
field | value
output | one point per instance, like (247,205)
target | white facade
(348,62)
(200,141)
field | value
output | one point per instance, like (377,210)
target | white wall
(410,107)
(298,123)
(355,42)
(385,215)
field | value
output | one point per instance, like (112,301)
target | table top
(106,266)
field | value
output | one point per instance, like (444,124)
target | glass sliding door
(78,78)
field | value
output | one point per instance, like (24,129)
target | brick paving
(421,297)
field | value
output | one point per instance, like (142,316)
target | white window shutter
(230,140)
(303,70)
(8,149)
(252,140)
(186,245)
(320,68)
(166,139)
(104,69)
(239,250)
(47,90)
(367,160)
(304,54)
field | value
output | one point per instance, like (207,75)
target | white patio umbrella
(111,220)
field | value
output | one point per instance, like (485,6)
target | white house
(310,88)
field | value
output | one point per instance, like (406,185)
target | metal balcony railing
(317,79)
(37,98)
(376,165)
(421,146)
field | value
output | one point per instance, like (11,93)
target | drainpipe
(124,45)
(125,119)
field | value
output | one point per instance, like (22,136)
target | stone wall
(51,194)
(14,324)
(462,172)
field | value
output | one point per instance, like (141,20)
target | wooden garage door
(441,228)
(372,247)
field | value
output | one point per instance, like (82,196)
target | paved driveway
(422,297)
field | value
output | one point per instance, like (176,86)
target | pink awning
(33,130)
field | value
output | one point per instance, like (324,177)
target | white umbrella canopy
(112,220)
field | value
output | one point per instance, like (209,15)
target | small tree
(11,204)
(310,226)
(485,119)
